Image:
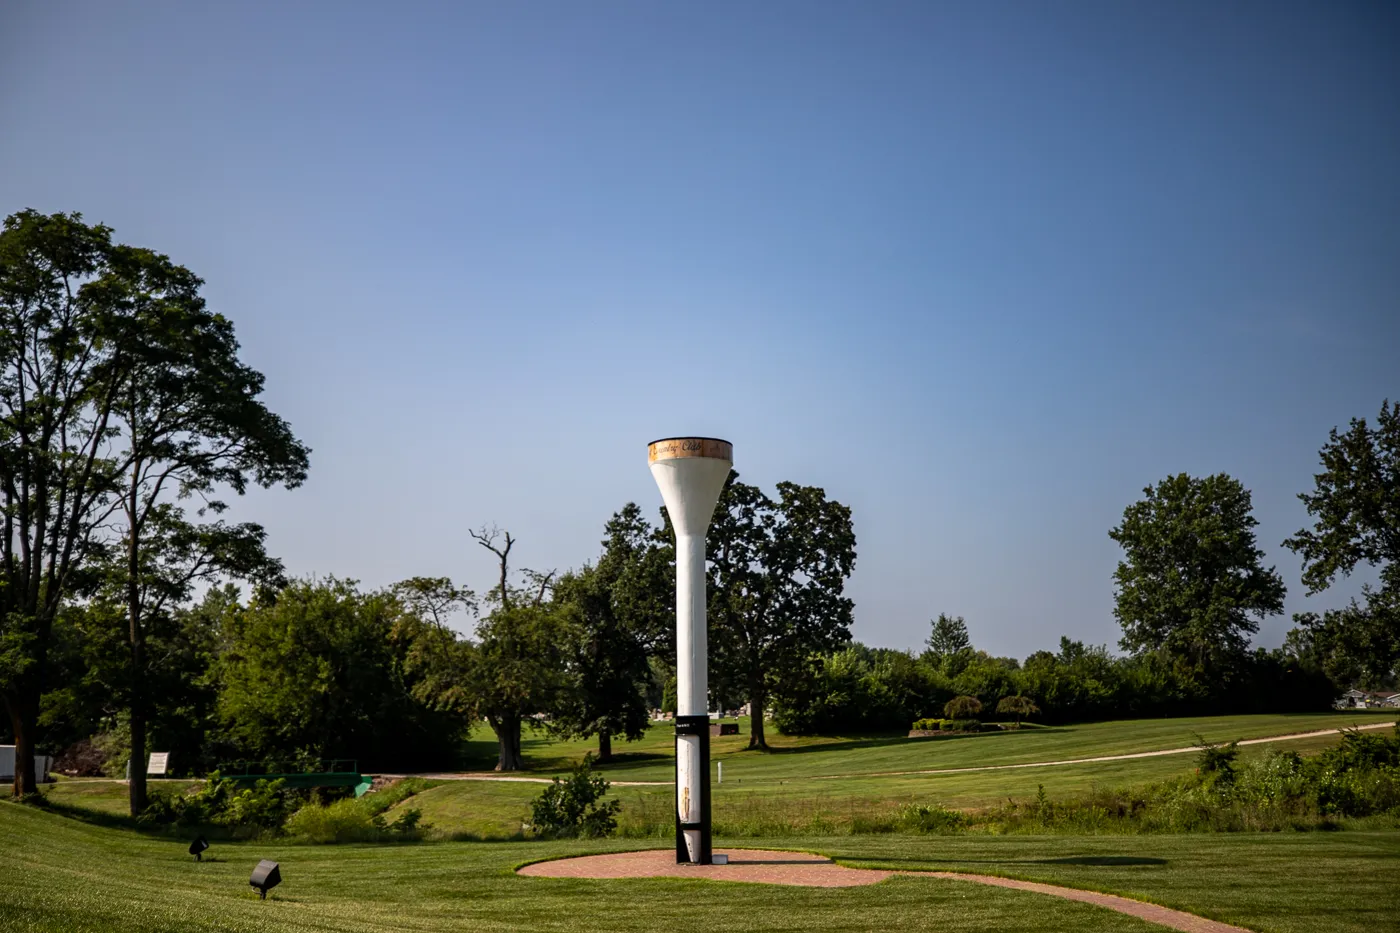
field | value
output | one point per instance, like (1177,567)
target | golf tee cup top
(690,472)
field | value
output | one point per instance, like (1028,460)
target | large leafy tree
(518,669)
(60,373)
(1191,584)
(624,612)
(1355,504)
(172,556)
(318,673)
(778,569)
(949,646)
(120,391)
(191,424)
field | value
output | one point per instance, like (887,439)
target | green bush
(342,821)
(948,725)
(352,821)
(574,807)
(261,806)
(1017,706)
(928,818)
(962,707)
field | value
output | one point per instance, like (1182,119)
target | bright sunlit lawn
(66,876)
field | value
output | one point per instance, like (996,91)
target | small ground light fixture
(265,877)
(197,848)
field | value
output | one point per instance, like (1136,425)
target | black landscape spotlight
(197,848)
(265,877)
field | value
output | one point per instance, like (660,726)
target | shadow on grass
(1101,860)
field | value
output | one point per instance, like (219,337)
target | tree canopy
(778,570)
(1192,583)
(1355,504)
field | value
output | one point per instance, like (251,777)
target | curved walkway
(1186,750)
(767,866)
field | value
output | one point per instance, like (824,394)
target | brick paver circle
(769,866)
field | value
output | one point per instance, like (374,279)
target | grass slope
(62,875)
(787,787)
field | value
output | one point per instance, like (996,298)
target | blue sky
(982,271)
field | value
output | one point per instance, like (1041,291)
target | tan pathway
(490,776)
(766,866)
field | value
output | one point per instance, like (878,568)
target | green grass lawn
(68,876)
(786,787)
(795,785)
(650,759)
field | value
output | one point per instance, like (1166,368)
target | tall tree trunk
(604,745)
(757,700)
(137,786)
(507,728)
(23,719)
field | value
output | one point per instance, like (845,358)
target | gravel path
(491,776)
(767,866)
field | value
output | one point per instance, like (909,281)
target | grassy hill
(833,784)
(838,781)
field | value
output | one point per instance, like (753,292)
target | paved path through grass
(479,776)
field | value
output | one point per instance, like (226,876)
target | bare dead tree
(486,537)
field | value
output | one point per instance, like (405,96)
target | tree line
(133,616)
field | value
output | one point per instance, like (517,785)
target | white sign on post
(159,762)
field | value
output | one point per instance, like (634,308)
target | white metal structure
(691,472)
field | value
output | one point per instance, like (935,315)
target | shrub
(355,820)
(928,818)
(947,725)
(1217,762)
(574,807)
(342,821)
(1017,706)
(963,707)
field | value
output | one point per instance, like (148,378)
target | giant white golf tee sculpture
(691,472)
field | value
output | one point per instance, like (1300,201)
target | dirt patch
(761,866)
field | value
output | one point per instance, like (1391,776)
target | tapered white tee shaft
(692,673)
(690,472)
(692,690)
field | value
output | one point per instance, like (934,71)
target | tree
(120,390)
(777,574)
(62,362)
(318,674)
(623,612)
(1356,506)
(1017,706)
(518,670)
(1191,583)
(963,707)
(948,642)
(190,422)
(435,599)
(171,556)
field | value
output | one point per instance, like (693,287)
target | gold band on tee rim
(671,448)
